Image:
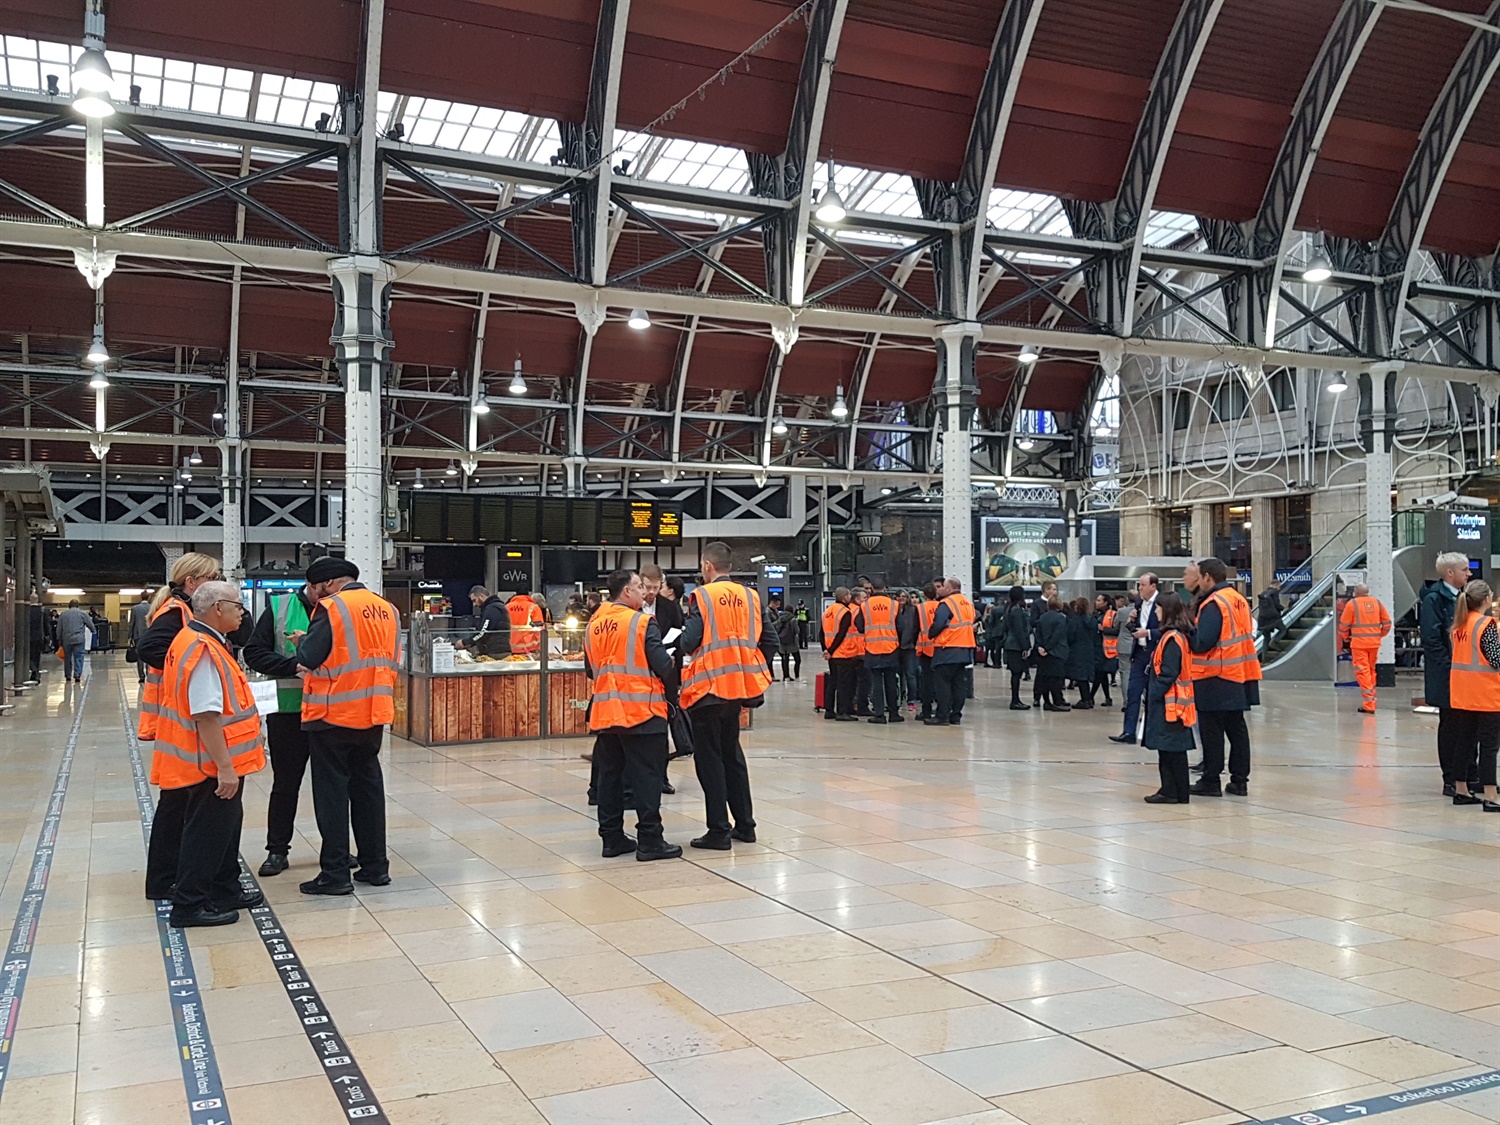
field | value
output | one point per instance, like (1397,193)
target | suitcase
(819,683)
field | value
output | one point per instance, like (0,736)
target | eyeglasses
(237,605)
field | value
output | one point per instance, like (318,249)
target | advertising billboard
(1022,551)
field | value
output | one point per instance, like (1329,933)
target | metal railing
(1313,579)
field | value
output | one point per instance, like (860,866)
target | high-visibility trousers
(1364,673)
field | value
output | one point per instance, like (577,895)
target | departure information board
(436,517)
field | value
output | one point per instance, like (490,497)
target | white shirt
(1146,607)
(649,608)
(205,688)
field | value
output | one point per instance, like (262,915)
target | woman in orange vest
(1109,635)
(926,607)
(169,613)
(629,670)
(208,737)
(1474,691)
(1170,711)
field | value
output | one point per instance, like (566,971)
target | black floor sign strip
(1385,1103)
(349,1082)
(22,945)
(207,1104)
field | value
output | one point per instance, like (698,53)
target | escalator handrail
(1314,595)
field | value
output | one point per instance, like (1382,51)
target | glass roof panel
(672,160)
(1168,228)
(1028,211)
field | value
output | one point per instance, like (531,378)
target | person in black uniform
(1039,606)
(493,638)
(1016,629)
(1170,738)
(35,632)
(1083,637)
(1052,655)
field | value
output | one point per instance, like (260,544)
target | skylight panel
(1167,228)
(1028,211)
(295,102)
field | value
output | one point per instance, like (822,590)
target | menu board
(436,517)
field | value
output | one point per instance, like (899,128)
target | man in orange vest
(1363,625)
(526,622)
(729,640)
(1226,676)
(208,737)
(926,607)
(882,660)
(844,645)
(348,661)
(952,634)
(630,670)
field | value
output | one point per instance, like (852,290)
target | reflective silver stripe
(329,698)
(630,696)
(358,666)
(1476,661)
(1225,661)
(153,676)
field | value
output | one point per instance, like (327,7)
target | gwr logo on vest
(599,628)
(380,611)
(731,600)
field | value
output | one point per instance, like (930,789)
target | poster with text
(1017,551)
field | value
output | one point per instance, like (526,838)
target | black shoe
(1059,707)
(320,886)
(880,719)
(955,721)
(1196,767)
(864,714)
(659,849)
(1449,790)
(275,864)
(1466,799)
(846,719)
(668,789)
(743,835)
(622,846)
(1123,739)
(1492,806)
(242,901)
(593,800)
(934,722)
(898,718)
(381,880)
(1206,788)
(1083,705)
(202,916)
(1160,798)
(1237,789)
(1017,705)
(712,842)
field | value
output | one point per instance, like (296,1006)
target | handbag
(60,653)
(681,729)
(131,656)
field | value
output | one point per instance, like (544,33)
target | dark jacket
(1270,610)
(1083,638)
(1216,693)
(668,614)
(908,625)
(786,630)
(1435,617)
(260,647)
(692,640)
(1017,625)
(1052,635)
(663,667)
(153,647)
(493,637)
(36,630)
(1160,734)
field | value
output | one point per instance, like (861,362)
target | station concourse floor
(979,924)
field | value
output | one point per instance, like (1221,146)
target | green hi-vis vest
(290,616)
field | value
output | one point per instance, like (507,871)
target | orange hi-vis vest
(1233,658)
(1181,707)
(853,643)
(880,625)
(926,646)
(525,623)
(728,664)
(1472,684)
(1364,622)
(356,686)
(151,692)
(626,691)
(1111,640)
(180,758)
(959,632)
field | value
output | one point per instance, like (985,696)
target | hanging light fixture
(418,482)
(98,353)
(1338,384)
(451,470)
(778,425)
(195,458)
(187,469)
(1029,353)
(98,381)
(1026,443)
(482,401)
(639,319)
(1318,269)
(92,79)
(517,380)
(218,414)
(830,208)
(840,407)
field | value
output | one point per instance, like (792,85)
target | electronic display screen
(462,524)
(427,518)
(494,519)
(583,521)
(612,524)
(523,522)
(553,526)
(668,527)
(433,517)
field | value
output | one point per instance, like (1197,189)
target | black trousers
(1213,728)
(885,690)
(1455,750)
(791,657)
(1173,767)
(288,745)
(861,687)
(624,759)
(208,864)
(36,659)
(1134,694)
(842,677)
(348,788)
(1475,743)
(929,688)
(1015,683)
(721,767)
(950,690)
(1101,682)
(166,842)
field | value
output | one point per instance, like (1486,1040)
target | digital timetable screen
(435,517)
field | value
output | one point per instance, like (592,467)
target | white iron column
(956,343)
(361,335)
(231,462)
(1378,473)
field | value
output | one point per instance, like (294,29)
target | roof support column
(361,325)
(589,145)
(1379,390)
(956,349)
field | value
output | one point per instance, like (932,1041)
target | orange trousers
(1364,673)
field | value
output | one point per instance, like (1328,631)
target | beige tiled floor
(982,924)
